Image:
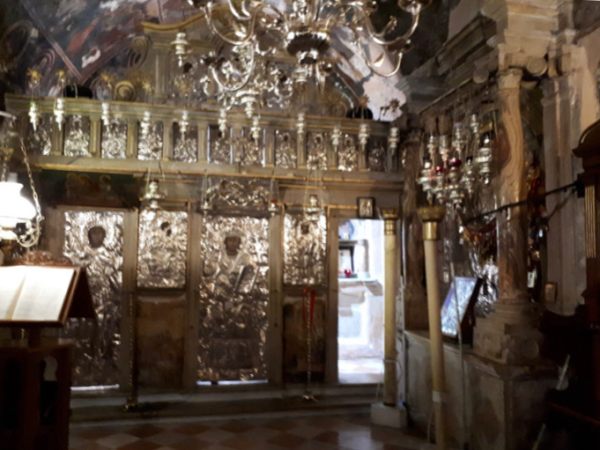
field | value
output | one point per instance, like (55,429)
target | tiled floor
(303,433)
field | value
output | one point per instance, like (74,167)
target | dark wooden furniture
(573,414)
(35,378)
(35,388)
(589,151)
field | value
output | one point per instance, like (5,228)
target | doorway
(360,301)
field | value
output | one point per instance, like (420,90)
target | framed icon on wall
(366,207)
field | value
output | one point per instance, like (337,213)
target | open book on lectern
(43,295)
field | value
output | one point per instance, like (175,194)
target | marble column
(509,334)
(387,413)
(391,282)
(431,217)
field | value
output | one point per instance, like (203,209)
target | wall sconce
(20,219)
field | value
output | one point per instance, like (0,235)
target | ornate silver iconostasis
(233,293)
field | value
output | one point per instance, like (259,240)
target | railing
(126,142)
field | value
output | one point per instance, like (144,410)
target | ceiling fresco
(88,36)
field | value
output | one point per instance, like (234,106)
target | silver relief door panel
(233,299)
(94,240)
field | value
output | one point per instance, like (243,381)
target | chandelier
(305,30)
(20,219)
(455,166)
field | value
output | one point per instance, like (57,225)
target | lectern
(35,379)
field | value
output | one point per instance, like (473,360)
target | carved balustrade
(127,144)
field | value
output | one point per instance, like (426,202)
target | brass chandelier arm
(375,65)
(394,71)
(244,41)
(244,15)
(244,81)
(379,37)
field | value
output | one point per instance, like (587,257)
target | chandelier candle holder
(34,115)
(455,168)
(105,114)
(20,218)
(59,112)
(305,30)
(184,123)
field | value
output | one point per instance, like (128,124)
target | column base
(388,416)
(509,335)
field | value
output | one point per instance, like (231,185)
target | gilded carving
(219,149)
(40,141)
(285,149)
(376,156)
(94,240)
(231,193)
(114,139)
(162,249)
(77,136)
(250,152)
(304,242)
(348,154)
(185,145)
(150,145)
(317,151)
(233,299)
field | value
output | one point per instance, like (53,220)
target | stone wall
(482,400)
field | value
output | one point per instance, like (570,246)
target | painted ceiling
(86,36)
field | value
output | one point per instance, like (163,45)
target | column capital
(390,217)
(510,78)
(431,216)
(432,213)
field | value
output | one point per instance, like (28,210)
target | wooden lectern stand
(35,380)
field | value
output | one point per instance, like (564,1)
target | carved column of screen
(114,139)
(305,244)
(162,249)
(233,298)
(94,239)
(77,136)
(150,146)
(40,141)
(286,149)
